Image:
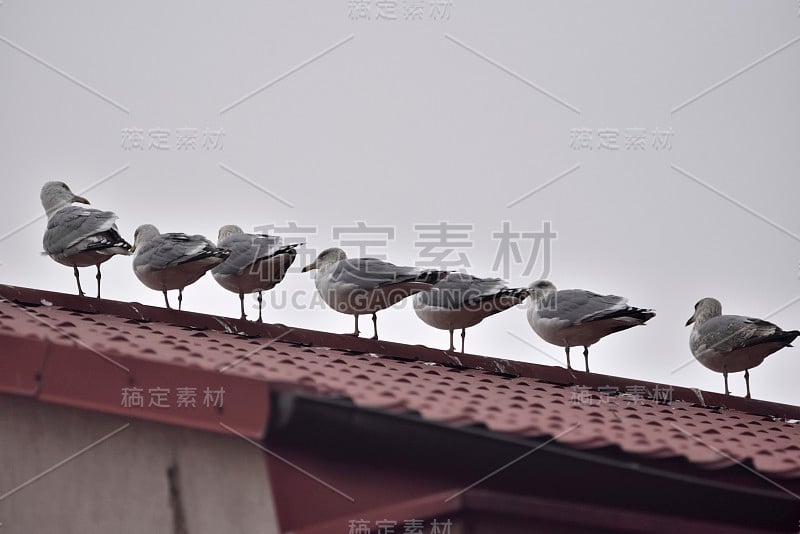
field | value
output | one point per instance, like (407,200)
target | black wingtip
(640,314)
(288,249)
(788,336)
(431,277)
(504,299)
(647,315)
(110,239)
(520,293)
(220,252)
(284,249)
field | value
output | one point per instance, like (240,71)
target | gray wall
(148,477)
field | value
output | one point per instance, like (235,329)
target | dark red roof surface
(83,352)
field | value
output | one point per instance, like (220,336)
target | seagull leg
(180,298)
(452,347)
(78,279)
(356,332)
(166,299)
(260,301)
(569,365)
(98,280)
(725,375)
(375,325)
(463,335)
(586,357)
(241,305)
(747,381)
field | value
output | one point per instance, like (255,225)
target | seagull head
(56,195)
(143,234)
(227,231)
(704,310)
(541,287)
(542,293)
(329,256)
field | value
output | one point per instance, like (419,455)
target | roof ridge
(387,349)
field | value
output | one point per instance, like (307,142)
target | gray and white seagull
(174,260)
(576,317)
(362,286)
(257,263)
(461,300)
(733,343)
(77,236)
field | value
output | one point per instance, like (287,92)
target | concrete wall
(149,477)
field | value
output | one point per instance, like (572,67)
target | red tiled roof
(82,352)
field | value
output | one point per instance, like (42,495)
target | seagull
(733,343)
(461,300)
(362,286)
(575,317)
(174,260)
(257,263)
(76,236)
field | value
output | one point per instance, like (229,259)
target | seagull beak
(82,200)
(690,321)
(132,249)
(310,266)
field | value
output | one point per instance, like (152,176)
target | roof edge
(443,507)
(513,369)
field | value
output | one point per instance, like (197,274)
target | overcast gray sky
(659,140)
